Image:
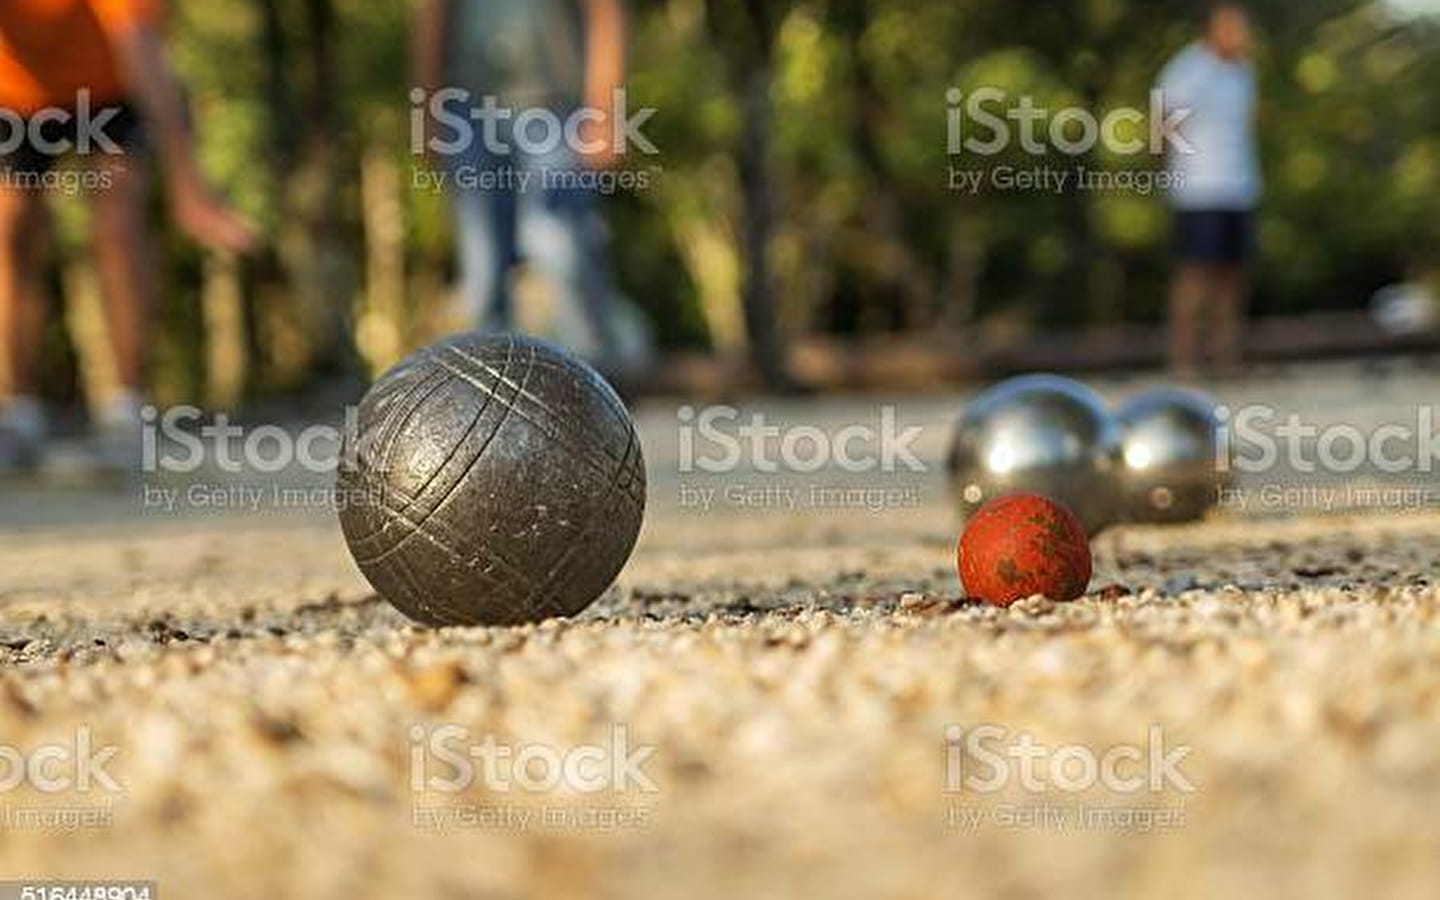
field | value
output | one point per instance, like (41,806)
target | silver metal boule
(1043,434)
(1170,455)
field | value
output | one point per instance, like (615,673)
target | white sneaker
(118,435)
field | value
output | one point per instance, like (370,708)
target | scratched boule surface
(795,673)
(507,431)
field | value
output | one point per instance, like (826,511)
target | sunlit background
(832,110)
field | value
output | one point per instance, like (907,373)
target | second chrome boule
(1171,455)
(1042,434)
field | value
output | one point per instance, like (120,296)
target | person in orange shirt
(89,79)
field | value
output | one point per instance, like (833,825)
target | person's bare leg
(22,326)
(1187,298)
(1232,289)
(122,255)
(22,294)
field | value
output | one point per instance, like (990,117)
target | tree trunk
(381,332)
(757,224)
(226,363)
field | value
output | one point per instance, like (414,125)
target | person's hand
(208,219)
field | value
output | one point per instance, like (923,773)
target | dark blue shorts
(19,156)
(1214,236)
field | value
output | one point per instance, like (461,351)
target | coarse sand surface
(779,698)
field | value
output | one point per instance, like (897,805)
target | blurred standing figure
(517,195)
(89,79)
(1216,186)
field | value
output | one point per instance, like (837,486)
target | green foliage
(870,236)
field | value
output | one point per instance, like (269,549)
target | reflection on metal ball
(1042,434)
(1170,455)
(492,480)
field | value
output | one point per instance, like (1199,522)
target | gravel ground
(785,684)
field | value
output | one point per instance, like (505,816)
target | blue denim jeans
(509,207)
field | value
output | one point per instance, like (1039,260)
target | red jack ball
(1023,544)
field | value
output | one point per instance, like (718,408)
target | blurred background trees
(801,184)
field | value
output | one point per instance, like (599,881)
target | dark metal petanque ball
(492,480)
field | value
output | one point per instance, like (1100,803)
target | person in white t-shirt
(1216,184)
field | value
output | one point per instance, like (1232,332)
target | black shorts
(21,155)
(1215,236)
